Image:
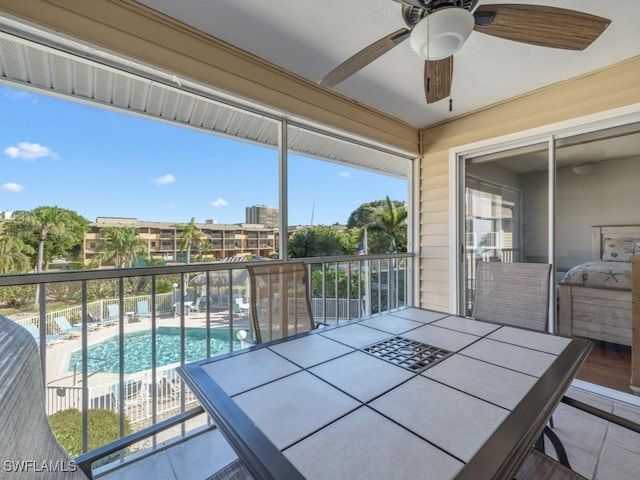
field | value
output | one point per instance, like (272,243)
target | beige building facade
(164,240)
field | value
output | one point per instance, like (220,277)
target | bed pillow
(619,249)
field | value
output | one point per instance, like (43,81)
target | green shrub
(17,296)
(104,427)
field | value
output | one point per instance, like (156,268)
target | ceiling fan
(437,29)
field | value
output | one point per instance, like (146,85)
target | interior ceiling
(536,157)
(310,38)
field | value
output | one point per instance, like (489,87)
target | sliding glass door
(505,211)
(597,231)
(571,201)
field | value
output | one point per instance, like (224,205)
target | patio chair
(280,300)
(66,328)
(95,321)
(114,314)
(133,392)
(50,339)
(168,389)
(515,294)
(143,309)
(26,433)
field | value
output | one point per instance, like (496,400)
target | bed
(595,297)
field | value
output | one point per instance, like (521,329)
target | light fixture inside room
(586,168)
(442,33)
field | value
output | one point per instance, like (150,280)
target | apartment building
(261,214)
(164,239)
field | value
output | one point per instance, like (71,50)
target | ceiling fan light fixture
(442,33)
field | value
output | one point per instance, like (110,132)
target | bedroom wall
(535,216)
(609,196)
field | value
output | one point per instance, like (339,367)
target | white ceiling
(311,37)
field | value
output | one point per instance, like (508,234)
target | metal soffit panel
(48,70)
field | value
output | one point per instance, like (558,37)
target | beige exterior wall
(611,88)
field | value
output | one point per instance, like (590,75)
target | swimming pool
(105,355)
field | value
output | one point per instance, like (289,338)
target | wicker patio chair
(26,434)
(279,300)
(27,442)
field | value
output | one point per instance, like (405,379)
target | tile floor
(596,449)
(195,459)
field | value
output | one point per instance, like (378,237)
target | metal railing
(341,288)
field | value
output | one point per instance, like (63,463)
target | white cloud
(344,174)
(221,202)
(29,151)
(165,179)
(14,94)
(11,187)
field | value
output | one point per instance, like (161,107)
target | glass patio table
(409,394)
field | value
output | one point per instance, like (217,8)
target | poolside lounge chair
(66,328)
(133,392)
(114,314)
(93,321)
(49,339)
(143,309)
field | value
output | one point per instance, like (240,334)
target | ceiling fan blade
(540,25)
(438,75)
(364,57)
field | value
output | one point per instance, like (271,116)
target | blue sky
(103,163)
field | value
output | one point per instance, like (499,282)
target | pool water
(105,355)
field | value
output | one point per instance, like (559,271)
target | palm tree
(390,220)
(14,254)
(190,234)
(42,224)
(122,246)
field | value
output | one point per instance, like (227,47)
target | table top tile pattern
(337,412)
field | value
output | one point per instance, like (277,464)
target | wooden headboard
(600,232)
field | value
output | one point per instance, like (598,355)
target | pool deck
(58,354)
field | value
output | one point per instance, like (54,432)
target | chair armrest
(609,417)
(85,460)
